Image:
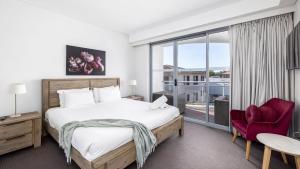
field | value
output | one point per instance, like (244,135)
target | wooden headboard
(50,86)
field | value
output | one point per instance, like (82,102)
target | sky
(193,55)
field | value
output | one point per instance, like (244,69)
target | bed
(120,152)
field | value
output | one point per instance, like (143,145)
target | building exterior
(192,84)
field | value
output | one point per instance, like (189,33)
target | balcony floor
(199,114)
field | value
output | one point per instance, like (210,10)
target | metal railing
(201,84)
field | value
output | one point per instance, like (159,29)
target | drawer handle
(11,124)
(9,139)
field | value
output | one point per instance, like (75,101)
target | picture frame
(84,61)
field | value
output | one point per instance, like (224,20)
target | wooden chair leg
(181,130)
(235,133)
(248,147)
(284,158)
(267,157)
(297,161)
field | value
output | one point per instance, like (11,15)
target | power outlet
(297,135)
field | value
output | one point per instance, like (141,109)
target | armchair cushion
(269,114)
(253,114)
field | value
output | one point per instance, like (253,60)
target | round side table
(283,144)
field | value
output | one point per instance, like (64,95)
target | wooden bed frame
(115,159)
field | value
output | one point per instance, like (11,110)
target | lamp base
(15,115)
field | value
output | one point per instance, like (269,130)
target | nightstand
(20,132)
(135,97)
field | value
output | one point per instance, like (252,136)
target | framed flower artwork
(84,61)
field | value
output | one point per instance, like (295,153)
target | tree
(212,73)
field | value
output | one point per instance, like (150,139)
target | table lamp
(19,88)
(133,83)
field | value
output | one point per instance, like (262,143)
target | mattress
(94,142)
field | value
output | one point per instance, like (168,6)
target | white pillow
(96,92)
(107,94)
(62,92)
(78,99)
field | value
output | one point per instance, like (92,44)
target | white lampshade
(132,82)
(19,88)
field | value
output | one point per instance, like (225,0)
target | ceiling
(128,16)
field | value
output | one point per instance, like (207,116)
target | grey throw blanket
(143,138)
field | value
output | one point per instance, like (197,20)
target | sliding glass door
(191,75)
(219,78)
(163,72)
(193,72)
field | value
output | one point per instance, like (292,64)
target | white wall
(140,60)
(297,12)
(32,45)
(297,74)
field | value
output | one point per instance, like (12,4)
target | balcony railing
(213,87)
(198,98)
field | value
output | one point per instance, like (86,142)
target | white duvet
(93,142)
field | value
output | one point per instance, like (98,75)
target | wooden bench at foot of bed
(124,155)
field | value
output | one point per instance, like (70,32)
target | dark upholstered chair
(283,111)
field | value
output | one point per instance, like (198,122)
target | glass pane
(162,82)
(162,57)
(191,77)
(219,78)
(162,71)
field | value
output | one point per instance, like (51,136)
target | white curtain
(258,60)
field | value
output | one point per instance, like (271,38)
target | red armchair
(250,130)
